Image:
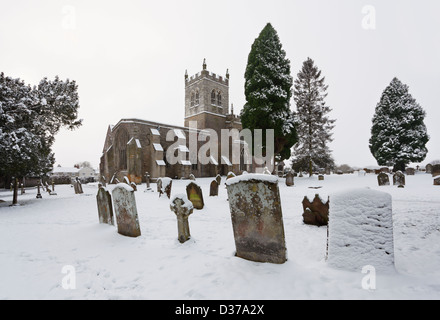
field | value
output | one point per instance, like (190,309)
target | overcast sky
(129,58)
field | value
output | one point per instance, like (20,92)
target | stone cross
(257,220)
(182,207)
(105,206)
(126,211)
(195,195)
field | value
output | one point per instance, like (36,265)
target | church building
(134,147)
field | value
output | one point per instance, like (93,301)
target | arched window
(213,97)
(192,99)
(219,99)
(197,98)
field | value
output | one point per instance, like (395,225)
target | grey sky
(129,58)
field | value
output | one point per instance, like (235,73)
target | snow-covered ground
(41,237)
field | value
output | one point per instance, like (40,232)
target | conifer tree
(313,124)
(268,90)
(399,135)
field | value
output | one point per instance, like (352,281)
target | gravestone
(230,175)
(167,184)
(159,186)
(429,168)
(360,230)
(399,179)
(363,173)
(192,177)
(321,177)
(182,207)
(134,186)
(213,189)
(126,211)
(257,220)
(315,212)
(435,170)
(218,178)
(147,182)
(383,179)
(105,206)
(290,179)
(39,196)
(437,181)
(410,171)
(195,195)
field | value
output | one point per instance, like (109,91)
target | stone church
(134,147)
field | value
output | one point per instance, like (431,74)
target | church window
(213,97)
(197,98)
(192,99)
(219,99)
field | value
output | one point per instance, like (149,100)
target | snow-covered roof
(65,170)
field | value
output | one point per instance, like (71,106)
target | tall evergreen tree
(29,120)
(268,90)
(313,124)
(399,135)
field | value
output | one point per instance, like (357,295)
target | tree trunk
(15,197)
(310,168)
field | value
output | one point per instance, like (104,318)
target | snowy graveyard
(41,238)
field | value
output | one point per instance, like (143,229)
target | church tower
(207,99)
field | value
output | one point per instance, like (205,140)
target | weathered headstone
(134,186)
(435,170)
(290,179)
(159,186)
(167,184)
(429,168)
(182,207)
(383,179)
(192,177)
(230,175)
(360,230)
(321,177)
(218,178)
(410,171)
(399,179)
(126,211)
(105,206)
(315,212)
(257,219)
(213,189)
(147,182)
(437,181)
(195,195)
(39,196)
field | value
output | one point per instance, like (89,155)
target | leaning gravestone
(383,179)
(290,179)
(167,184)
(195,195)
(126,210)
(315,212)
(257,220)
(213,189)
(182,207)
(360,231)
(399,179)
(105,206)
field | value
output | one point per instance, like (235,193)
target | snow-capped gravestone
(230,175)
(213,189)
(182,207)
(290,179)
(126,211)
(383,179)
(218,178)
(105,206)
(167,184)
(192,177)
(399,179)
(429,168)
(360,230)
(77,187)
(437,181)
(257,220)
(195,195)
(159,186)
(315,212)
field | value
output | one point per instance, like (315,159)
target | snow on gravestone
(399,179)
(257,220)
(105,207)
(195,195)
(383,179)
(361,230)
(182,207)
(167,184)
(126,210)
